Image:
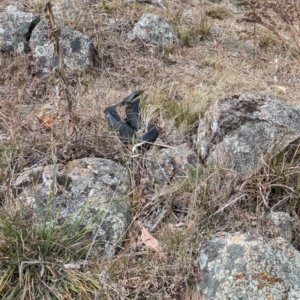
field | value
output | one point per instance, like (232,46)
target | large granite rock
(77,48)
(240,131)
(242,267)
(92,191)
(155,30)
(15,28)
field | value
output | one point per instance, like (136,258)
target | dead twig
(54,36)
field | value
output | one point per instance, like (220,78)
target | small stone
(279,224)
(154,29)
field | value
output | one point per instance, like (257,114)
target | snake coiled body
(127,129)
(132,116)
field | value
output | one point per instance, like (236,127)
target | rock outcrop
(92,191)
(241,267)
(238,132)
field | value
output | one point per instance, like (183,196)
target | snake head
(131,97)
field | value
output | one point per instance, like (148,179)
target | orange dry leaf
(149,240)
(250,216)
(48,122)
(240,276)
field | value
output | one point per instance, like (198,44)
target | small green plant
(169,49)
(267,40)
(186,40)
(105,6)
(184,36)
(193,175)
(182,114)
(203,28)
(39,5)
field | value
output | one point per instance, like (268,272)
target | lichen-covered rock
(238,131)
(93,189)
(15,6)
(170,163)
(279,224)
(242,267)
(155,30)
(15,28)
(77,48)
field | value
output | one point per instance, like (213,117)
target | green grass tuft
(34,253)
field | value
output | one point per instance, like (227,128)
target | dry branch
(54,36)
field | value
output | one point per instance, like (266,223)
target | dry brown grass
(217,57)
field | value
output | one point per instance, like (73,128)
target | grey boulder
(15,28)
(92,191)
(154,29)
(242,267)
(241,131)
(77,48)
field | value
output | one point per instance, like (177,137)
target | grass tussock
(218,12)
(40,260)
(267,41)
(38,124)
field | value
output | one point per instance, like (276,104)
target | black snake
(132,122)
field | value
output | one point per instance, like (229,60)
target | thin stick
(54,35)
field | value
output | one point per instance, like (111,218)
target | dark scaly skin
(133,119)
(131,97)
(152,134)
(126,132)
(112,116)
